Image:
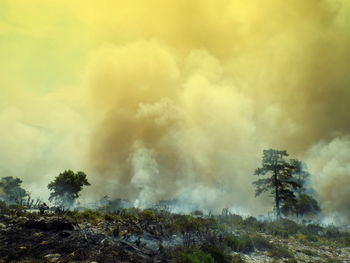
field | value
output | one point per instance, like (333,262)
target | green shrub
(261,243)
(3,207)
(85,216)
(131,212)
(250,221)
(241,244)
(186,224)
(2,204)
(332,232)
(16,210)
(237,259)
(231,221)
(217,255)
(149,214)
(312,238)
(290,226)
(301,237)
(314,229)
(236,219)
(252,224)
(346,241)
(283,228)
(193,256)
(108,217)
(197,213)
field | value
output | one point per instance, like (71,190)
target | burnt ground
(58,240)
(151,236)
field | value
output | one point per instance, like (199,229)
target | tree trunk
(277,197)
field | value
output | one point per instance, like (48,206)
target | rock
(38,234)
(52,257)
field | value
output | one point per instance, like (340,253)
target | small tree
(66,187)
(11,191)
(306,205)
(280,181)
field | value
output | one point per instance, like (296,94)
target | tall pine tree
(280,181)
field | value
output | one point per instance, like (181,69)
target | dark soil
(34,239)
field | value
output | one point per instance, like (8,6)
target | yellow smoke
(158,99)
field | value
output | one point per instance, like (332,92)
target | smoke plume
(177,99)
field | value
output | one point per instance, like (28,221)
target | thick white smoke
(330,165)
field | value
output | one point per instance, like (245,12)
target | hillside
(156,235)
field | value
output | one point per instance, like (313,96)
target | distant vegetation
(197,237)
(11,191)
(285,179)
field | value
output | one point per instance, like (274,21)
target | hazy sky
(160,99)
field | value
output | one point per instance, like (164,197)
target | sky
(176,99)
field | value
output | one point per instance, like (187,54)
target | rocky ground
(145,237)
(301,252)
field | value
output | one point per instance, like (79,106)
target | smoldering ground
(179,98)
